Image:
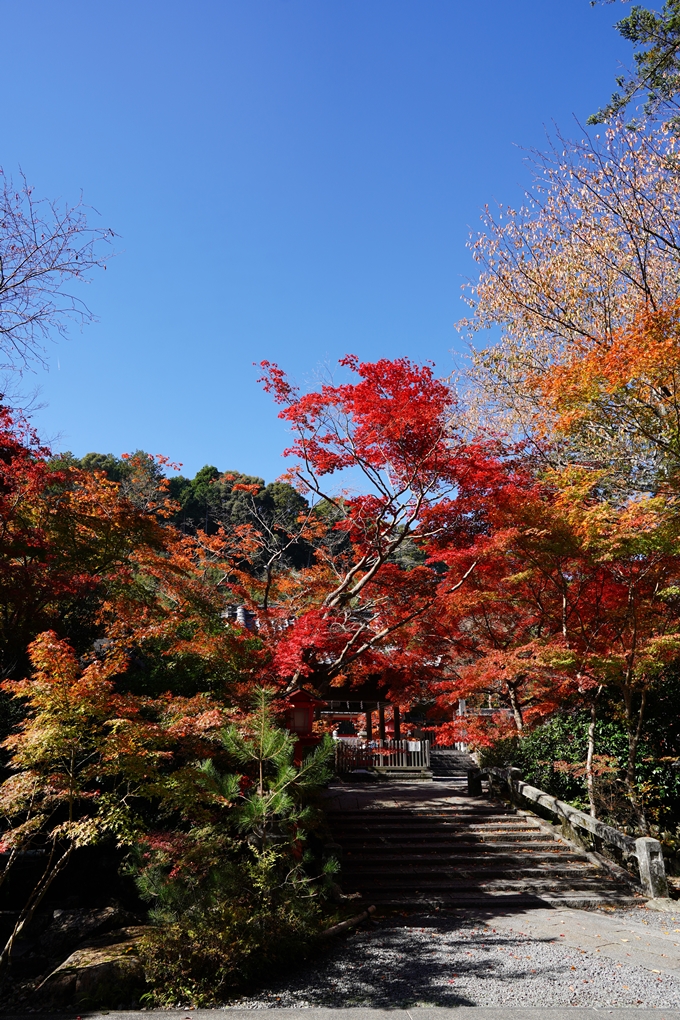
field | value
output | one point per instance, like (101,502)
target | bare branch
(45,248)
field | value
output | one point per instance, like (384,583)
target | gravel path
(441,959)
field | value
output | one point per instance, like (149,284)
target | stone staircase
(450,766)
(436,845)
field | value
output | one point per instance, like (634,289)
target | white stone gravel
(440,959)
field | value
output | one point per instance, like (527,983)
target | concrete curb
(361,1013)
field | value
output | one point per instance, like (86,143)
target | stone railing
(647,850)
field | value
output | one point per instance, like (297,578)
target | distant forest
(212,499)
(215,499)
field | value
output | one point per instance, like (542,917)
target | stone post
(652,870)
(514,776)
(474,783)
(381,722)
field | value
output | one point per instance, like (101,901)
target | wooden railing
(382,754)
(648,851)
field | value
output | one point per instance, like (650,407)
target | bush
(239,892)
(552,757)
(563,738)
(203,956)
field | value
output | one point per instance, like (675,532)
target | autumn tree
(573,603)
(99,562)
(73,737)
(64,533)
(170,605)
(141,476)
(356,611)
(229,500)
(586,268)
(572,600)
(337,584)
(92,762)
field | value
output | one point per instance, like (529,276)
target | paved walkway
(354,796)
(624,938)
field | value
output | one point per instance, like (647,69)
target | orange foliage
(570,595)
(642,358)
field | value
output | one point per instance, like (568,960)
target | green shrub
(215,949)
(552,757)
(239,893)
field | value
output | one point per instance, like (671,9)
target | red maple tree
(572,598)
(359,609)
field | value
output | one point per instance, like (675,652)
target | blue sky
(290,179)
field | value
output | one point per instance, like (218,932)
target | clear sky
(290,179)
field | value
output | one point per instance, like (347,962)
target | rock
(68,928)
(106,972)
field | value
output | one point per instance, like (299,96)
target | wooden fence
(381,754)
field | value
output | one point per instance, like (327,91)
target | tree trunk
(11,860)
(516,708)
(35,899)
(589,760)
(634,734)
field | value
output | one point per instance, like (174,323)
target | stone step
(453,774)
(407,773)
(503,901)
(461,838)
(462,851)
(422,831)
(393,869)
(418,824)
(447,824)
(390,855)
(447,812)
(524,882)
(451,760)
(452,839)
(380,837)
(478,875)
(431,822)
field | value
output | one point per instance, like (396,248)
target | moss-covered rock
(107,972)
